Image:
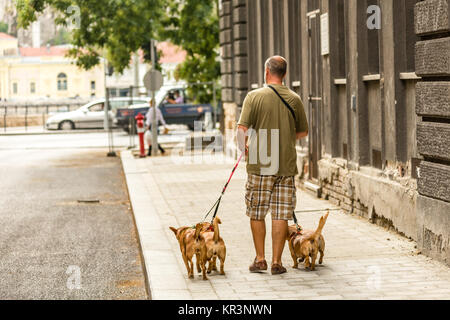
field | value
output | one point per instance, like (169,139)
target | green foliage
(118,26)
(3,27)
(194,25)
(61,37)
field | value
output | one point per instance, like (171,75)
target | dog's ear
(174,230)
(218,220)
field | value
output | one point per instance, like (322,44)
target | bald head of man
(276,69)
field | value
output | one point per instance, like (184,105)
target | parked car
(90,115)
(174,113)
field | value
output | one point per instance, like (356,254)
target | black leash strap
(285,103)
(214,206)
(299,229)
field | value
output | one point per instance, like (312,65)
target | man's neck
(280,83)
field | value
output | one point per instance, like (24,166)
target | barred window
(62,82)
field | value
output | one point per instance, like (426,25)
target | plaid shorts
(270,192)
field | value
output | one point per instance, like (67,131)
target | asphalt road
(51,245)
(82,139)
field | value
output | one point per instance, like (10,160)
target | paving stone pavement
(362,261)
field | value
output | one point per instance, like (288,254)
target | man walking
(275,116)
(148,123)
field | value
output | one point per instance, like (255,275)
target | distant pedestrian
(148,122)
(277,117)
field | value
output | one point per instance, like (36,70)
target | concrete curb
(164,278)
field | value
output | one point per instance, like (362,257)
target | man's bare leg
(259,237)
(279,231)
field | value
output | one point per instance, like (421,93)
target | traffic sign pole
(153,81)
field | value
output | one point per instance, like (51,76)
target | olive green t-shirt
(265,113)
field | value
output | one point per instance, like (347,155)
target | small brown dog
(192,243)
(307,244)
(215,247)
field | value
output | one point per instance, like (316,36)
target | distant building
(171,56)
(37,73)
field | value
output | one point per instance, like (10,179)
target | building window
(62,82)
(15,87)
(92,85)
(32,87)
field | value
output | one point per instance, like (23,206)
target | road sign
(153,80)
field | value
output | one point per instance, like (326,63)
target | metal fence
(24,115)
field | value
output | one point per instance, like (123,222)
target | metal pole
(106,124)
(131,119)
(111,152)
(215,105)
(154,120)
(4,119)
(26,118)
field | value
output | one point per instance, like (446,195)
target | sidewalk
(362,261)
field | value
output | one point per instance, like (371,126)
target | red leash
(232,173)
(217,204)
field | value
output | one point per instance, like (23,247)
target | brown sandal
(257,267)
(278,269)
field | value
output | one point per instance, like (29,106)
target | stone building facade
(433,129)
(356,65)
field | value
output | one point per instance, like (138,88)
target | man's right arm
(302,121)
(242,138)
(301,135)
(244,123)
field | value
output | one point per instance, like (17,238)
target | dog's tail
(316,235)
(216,223)
(198,230)
(174,230)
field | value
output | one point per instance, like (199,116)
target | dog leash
(217,204)
(319,210)
(299,229)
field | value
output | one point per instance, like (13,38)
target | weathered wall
(368,154)
(382,197)
(432,24)
(233,16)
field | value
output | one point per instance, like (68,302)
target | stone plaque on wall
(325,34)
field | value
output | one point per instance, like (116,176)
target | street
(80,139)
(67,226)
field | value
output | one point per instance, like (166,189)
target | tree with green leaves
(118,28)
(194,26)
(115,28)
(62,37)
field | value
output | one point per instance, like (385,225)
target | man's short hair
(277,66)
